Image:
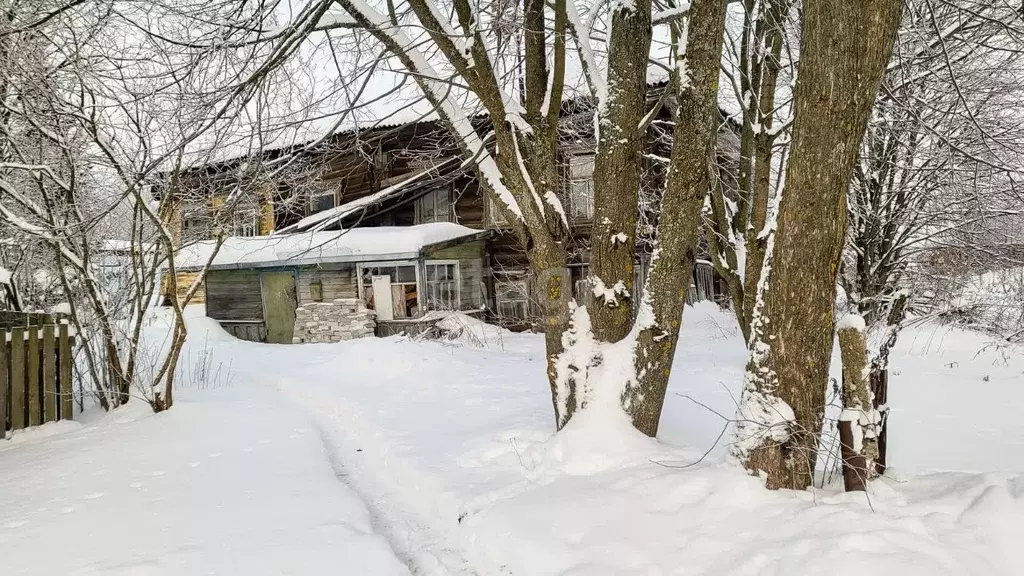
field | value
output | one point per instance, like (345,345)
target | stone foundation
(342,319)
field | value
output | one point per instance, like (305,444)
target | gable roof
(309,248)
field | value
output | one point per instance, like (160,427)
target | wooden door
(279,303)
(382,301)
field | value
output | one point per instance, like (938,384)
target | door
(279,305)
(382,298)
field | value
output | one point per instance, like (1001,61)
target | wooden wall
(472,272)
(234,295)
(336,280)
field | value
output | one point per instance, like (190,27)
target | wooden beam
(49,360)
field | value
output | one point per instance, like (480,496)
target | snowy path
(231,481)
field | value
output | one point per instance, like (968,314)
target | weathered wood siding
(472,272)
(234,295)
(336,280)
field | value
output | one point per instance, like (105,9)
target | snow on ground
(232,480)
(449,444)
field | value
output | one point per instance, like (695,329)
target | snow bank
(343,246)
(233,481)
(461,327)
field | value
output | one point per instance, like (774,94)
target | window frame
(524,301)
(432,197)
(313,196)
(495,215)
(574,180)
(457,279)
(361,291)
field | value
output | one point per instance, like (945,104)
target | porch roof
(354,245)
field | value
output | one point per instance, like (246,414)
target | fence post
(34,397)
(17,377)
(5,394)
(64,376)
(49,375)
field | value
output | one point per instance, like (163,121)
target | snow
(851,321)
(232,480)
(357,244)
(5,275)
(451,449)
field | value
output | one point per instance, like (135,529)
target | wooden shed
(256,284)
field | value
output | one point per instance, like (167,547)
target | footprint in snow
(94,496)
(67,510)
(15,524)
(157,473)
(135,485)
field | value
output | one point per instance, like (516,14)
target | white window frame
(360,292)
(575,211)
(457,279)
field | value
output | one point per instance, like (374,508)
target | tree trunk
(687,185)
(860,449)
(845,48)
(552,293)
(617,172)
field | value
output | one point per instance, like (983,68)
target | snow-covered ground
(450,447)
(233,480)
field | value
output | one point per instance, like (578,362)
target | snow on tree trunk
(858,418)
(844,50)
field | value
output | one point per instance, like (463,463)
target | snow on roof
(321,220)
(354,245)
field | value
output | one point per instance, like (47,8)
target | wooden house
(412,174)
(319,286)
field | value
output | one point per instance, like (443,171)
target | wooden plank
(34,396)
(18,406)
(5,394)
(49,360)
(64,373)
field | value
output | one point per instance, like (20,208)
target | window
(316,290)
(512,299)
(245,222)
(581,187)
(404,299)
(196,223)
(442,285)
(320,201)
(434,206)
(495,215)
(581,288)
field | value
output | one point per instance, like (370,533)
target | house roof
(354,245)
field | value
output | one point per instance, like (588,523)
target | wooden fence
(35,370)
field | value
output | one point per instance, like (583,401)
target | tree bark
(858,413)
(845,48)
(617,171)
(687,185)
